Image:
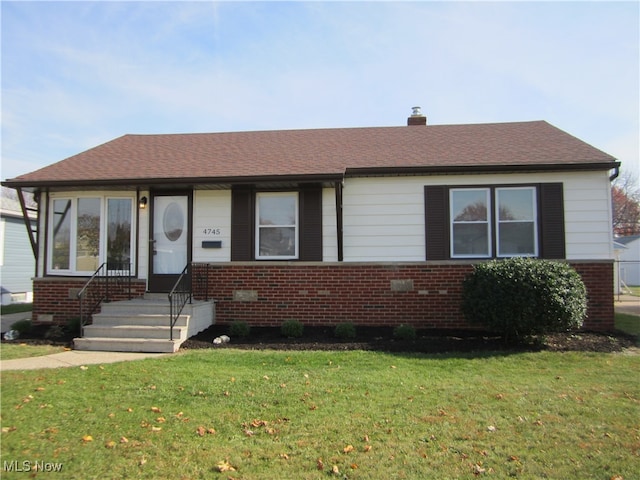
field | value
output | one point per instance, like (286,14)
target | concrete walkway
(627,304)
(73,358)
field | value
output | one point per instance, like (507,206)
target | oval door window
(173,221)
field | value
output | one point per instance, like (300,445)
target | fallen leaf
(284,456)
(124,440)
(491,428)
(367,448)
(142,461)
(335,470)
(365,438)
(161,419)
(224,466)
(110,444)
(477,469)
(155,409)
(320,464)
(8,429)
(156,429)
(354,466)
(200,431)
(40,389)
(87,438)
(348,448)
(83,367)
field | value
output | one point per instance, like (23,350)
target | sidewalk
(627,304)
(74,358)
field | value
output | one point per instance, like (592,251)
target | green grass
(371,415)
(16,308)
(628,323)
(10,351)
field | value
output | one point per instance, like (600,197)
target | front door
(170,239)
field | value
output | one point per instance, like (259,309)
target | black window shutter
(552,235)
(242,224)
(310,213)
(436,200)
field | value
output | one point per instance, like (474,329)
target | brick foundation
(55,301)
(425,295)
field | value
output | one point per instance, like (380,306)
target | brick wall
(55,301)
(425,295)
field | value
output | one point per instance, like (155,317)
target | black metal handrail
(180,294)
(110,278)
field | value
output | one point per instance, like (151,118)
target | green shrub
(22,326)
(404,332)
(519,297)
(345,330)
(240,329)
(73,326)
(292,328)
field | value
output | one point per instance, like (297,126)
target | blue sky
(78,74)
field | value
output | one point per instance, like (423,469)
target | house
(629,260)
(17,261)
(370,225)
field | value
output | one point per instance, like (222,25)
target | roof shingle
(323,152)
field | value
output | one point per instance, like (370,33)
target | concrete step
(115,319)
(148,345)
(134,332)
(137,305)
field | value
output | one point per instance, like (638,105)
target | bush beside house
(518,297)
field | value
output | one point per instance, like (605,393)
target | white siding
(212,222)
(143,239)
(384,217)
(588,221)
(329,226)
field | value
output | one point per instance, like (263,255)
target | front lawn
(243,414)
(10,351)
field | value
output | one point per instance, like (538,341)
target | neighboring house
(17,262)
(629,260)
(378,226)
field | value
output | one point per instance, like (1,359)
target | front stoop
(142,325)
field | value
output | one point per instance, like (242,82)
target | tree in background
(625,197)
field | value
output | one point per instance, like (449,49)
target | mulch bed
(379,339)
(428,341)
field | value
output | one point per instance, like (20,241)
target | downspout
(338,188)
(615,174)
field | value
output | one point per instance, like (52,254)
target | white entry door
(169,241)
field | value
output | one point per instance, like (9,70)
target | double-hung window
(516,219)
(85,232)
(493,222)
(276,225)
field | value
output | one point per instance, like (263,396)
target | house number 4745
(211,231)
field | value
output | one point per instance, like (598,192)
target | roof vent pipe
(416,117)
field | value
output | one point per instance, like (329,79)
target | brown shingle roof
(210,157)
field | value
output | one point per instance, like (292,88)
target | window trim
(73,240)
(551,235)
(296,226)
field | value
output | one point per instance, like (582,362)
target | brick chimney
(416,117)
